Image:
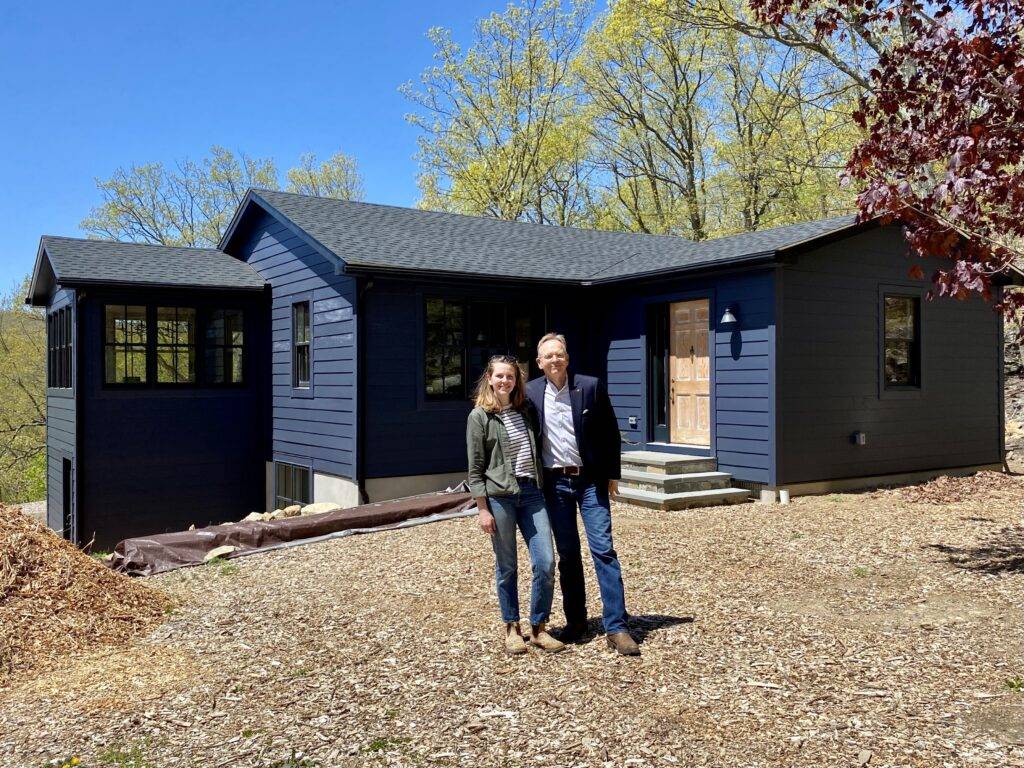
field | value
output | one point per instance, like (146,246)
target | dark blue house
(327,351)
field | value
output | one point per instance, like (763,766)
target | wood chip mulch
(841,630)
(56,601)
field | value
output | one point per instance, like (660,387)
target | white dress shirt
(560,447)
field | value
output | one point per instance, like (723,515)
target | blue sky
(88,87)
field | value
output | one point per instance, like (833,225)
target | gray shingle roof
(386,237)
(101,261)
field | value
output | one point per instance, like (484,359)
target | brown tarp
(148,555)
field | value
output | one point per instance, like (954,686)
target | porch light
(728,318)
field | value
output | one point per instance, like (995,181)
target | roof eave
(754,259)
(33,299)
(89,281)
(411,272)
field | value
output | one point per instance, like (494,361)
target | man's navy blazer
(593,419)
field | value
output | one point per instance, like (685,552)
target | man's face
(552,359)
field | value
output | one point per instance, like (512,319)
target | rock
(256,517)
(227,549)
(320,506)
(293,511)
(275,515)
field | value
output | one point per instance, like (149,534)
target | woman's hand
(486,521)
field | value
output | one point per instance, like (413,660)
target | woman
(505,477)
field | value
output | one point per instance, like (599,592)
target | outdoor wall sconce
(728,317)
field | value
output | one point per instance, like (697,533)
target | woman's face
(503,378)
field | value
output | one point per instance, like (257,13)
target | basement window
(291,485)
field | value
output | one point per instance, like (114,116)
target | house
(327,351)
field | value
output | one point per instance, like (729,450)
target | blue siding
(157,459)
(742,418)
(830,377)
(404,433)
(314,428)
(61,425)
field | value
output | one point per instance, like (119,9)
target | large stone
(293,511)
(320,506)
(256,517)
(216,552)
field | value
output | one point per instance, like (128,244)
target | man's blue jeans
(564,495)
(526,511)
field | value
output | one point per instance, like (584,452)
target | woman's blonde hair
(485,397)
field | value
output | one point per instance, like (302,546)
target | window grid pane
(126,339)
(224,347)
(444,349)
(175,345)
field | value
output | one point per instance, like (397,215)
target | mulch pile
(955,490)
(56,601)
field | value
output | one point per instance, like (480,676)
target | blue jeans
(526,511)
(564,495)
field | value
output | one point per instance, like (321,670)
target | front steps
(672,481)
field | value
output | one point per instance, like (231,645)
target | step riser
(673,506)
(672,467)
(675,485)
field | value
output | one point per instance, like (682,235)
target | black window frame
(192,348)
(289,475)
(459,307)
(59,373)
(914,352)
(147,346)
(204,315)
(302,349)
(225,348)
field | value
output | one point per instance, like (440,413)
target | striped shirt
(519,438)
(561,448)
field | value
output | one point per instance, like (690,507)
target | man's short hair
(552,337)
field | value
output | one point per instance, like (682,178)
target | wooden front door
(689,373)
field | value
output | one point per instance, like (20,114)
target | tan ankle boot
(539,637)
(514,643)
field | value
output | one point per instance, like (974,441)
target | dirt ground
(843,630)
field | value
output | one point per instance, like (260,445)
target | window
(301,336)
(445,349)
(58,349)
(224,347)
(291,486)
(175,345)
(462,336)
(124,346)
(902,342)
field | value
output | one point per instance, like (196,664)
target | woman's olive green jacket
(491,463)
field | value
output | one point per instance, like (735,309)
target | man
(580,448)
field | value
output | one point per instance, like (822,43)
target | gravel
(840,630)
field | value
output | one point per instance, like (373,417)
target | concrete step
(667,463)
(662,483)
(655,500)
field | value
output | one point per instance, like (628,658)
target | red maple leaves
(943,150)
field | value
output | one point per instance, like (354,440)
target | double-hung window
(901,345)
(175,345)
(225,347)
(445,349)
(125,340)
(301,338)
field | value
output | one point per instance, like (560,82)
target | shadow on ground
(639,626)
(1002,553)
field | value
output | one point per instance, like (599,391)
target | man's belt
(566,471)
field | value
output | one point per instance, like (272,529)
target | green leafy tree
(337,177)
(192,203)
(22,398)
(500,129)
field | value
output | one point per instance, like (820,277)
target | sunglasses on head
(504,359)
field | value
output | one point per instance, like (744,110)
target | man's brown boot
(539,637)
(623,644)
(514,643)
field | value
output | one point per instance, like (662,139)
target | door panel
(689,372)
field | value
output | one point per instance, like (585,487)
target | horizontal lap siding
(61,425)
(741,363)
(405,434)
(829,370)
(315,429)
(158,459)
